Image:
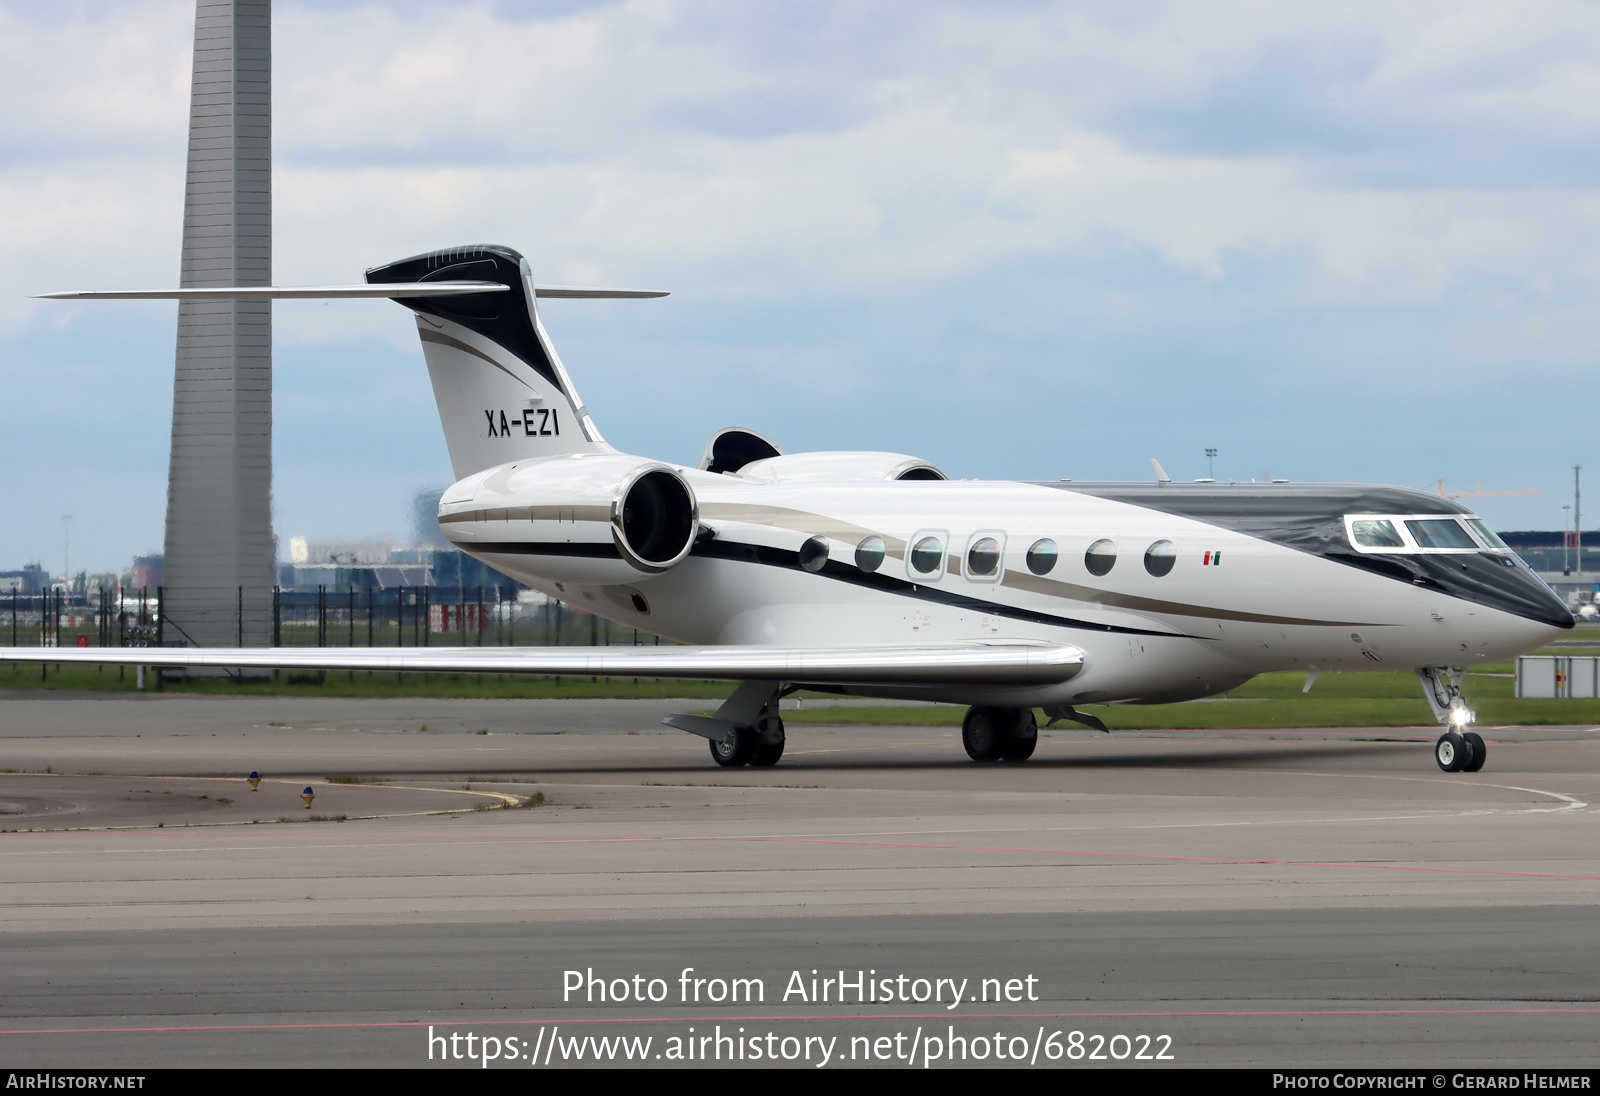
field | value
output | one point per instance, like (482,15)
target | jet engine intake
(654,519)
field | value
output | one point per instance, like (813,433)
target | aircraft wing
(1014,663)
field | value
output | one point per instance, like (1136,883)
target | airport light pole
(1211,457)
(1566,541)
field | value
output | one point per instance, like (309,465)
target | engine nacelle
(654,519)
(840,466)
(603,518)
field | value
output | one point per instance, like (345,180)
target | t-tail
(503,394)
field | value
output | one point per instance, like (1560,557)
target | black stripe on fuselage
(1310,518)
(788,559)
(845,572)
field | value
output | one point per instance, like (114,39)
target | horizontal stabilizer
(393,291)
(970,663)
(280,292)
(588,293)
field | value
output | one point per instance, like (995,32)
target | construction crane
(1481,493)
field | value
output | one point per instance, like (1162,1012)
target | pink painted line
(1243,1014)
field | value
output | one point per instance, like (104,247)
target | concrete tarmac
(1241,898)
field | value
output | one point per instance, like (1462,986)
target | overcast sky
(1338,241)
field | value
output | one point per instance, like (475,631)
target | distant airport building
(1573,573)
(304,552)
(371,565)
(1553,550)
(148,572)
(32,579)
(425,531)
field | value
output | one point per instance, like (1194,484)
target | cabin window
(1042,556)
(926,555)
(1100,558)
(1376,533)
(814,554)
(1159,558)
(869,554)
(1439,533)
(983,558)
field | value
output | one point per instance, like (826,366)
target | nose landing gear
(1460,753)
(1458,750)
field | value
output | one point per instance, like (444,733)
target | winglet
(1161,473)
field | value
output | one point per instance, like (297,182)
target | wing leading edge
(968,664)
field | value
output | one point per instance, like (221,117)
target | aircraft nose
(1549,630)
(1536,603)
(1533,614)
(1533,619)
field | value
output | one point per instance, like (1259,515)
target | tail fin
(502,392)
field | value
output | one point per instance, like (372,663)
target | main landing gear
(1458,750)
(760,745)
(999,734)
(746,730)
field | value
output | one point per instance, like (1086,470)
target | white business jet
(872,574)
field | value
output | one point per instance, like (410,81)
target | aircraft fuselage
(1172,591)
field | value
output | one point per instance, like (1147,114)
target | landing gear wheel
(1480,752)
(768,747)
(1452,752)
(1024,737)
(983,733)
(766,753)
(735,748)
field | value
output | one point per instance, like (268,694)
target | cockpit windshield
(1375,533)
(1414,534)
(1488,535)
(1439,533)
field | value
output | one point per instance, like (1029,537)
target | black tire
(1024,737)
(1480,752)
(983,733)
(735,749)
(768,748)
(766,753)
(1452,752)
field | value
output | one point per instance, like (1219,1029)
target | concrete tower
(219,551)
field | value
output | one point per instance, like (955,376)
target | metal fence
(436,616)
(408,616)
(55,619)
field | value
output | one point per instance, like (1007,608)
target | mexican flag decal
(1212,559)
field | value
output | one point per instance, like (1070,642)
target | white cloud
(1102,208)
